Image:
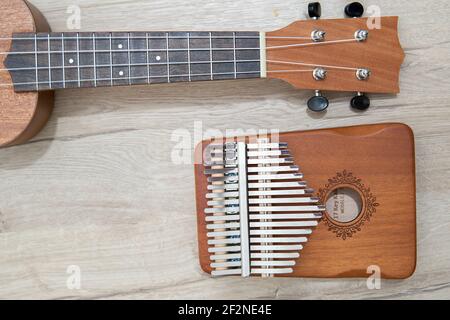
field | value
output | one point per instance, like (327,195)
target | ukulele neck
(47,61)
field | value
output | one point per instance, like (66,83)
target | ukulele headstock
(352,55)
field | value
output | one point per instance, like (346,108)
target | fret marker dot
(121,73)
(158,58)
(70,61)
(120,46)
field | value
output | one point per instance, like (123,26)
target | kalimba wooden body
(377,162)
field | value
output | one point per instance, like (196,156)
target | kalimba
(320,203)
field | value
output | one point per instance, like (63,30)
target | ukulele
(336,55)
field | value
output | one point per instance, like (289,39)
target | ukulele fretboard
(46,61)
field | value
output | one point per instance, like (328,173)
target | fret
(110,60)
(63,64)
(168,57)
(78,60)
(148,58)
(138,62)
(49,62)
(189,54)
(234,55)
(211,55)
(93,54)
(36,62)
(129,59)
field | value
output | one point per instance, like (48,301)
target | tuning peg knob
(314,10)
(360,102)
(318,102)
(354,10)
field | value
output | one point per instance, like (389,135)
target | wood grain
(98,188)
(381,53)
(21,115)
(382,156)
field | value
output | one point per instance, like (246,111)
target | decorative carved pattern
(347,230)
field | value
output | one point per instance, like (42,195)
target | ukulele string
(311,65)
(191,37)
(180,49)
(124,78)
(311,44)
(120,65)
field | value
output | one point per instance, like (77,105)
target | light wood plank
(97,188)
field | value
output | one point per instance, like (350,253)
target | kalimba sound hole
(344,204)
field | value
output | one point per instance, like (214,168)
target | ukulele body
(23,114)
(377,162)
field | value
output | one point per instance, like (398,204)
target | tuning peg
(354,10)
(318,102)
(360,101)
(314,10)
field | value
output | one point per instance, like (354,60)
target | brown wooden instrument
(338,54)
(258,216)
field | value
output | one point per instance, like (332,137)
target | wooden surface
(381,157)
(381,53)
(97,188)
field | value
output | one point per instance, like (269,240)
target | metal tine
(281,216)
(274,224)
(226,272)
(220,171)
(277,184)
(274,255)
(283,200)
(268,153)
(270,160)
(227,210)
(287,176)
(228,163)
(222,146)
(228,233)
(272,263)
(231,178)
(225,256)
(227,202)
(224,241)
(272,271)
(272,169)
(228,217)
(223,195)
(229,225)
(225,249)
(280,232)
(230,186)
(286,208)
(251,146)
(226,264)
(278,239)
(256,193)
(275,247)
